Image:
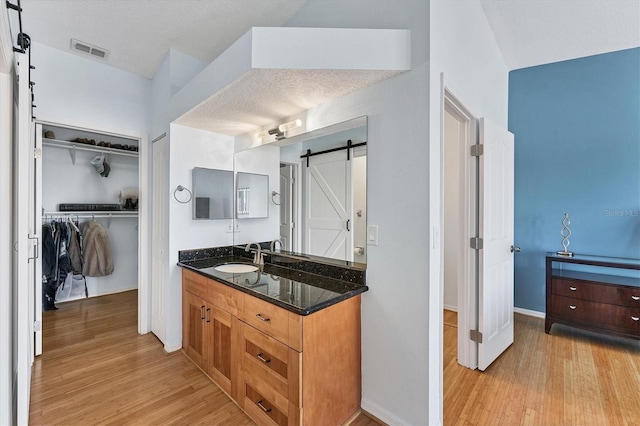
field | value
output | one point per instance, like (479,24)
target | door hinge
(475,336)
(36,326)
(477,150)
(37,153)
(476,243)
(293,225)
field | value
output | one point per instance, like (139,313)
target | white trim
(381,414)
(173,347)
(450,308)
(529,312)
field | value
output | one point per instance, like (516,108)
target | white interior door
(286,207)
(36,185)
(159,260)
(24,244)
(495,287)
(328,205)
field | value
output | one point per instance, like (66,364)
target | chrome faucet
(272,247)
(258,258)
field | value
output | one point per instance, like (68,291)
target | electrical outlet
(229,226)
(236,227)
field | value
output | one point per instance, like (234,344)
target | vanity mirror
(316,192)
(212,193)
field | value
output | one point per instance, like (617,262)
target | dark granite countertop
(294,290)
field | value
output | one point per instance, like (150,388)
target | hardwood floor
(97,370)
(569,377)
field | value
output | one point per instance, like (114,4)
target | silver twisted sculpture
(566,233)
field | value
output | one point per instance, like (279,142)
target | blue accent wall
(577,150)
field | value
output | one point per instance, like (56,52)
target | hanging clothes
(75,248)
(49,267)
(97,257)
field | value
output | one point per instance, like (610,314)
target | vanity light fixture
(279,131)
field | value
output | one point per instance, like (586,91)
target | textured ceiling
(535,32)
(262,96)
(138,33)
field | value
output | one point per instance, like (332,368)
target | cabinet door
(194,341)
(219,329)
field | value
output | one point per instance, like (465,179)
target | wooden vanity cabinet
(281,368)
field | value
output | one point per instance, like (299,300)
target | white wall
(189,148)
(73,90)
(395,310)
(463,47)
(360,204)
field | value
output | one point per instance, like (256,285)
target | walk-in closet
(88,187)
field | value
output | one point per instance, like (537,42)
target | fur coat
(96,250)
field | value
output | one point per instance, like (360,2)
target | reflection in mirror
(252,196)
(212,193)
(317,202)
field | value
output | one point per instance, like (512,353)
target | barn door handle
(348,222)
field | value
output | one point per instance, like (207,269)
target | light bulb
(290,125)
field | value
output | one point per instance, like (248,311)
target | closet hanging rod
(86,215)
(92,148)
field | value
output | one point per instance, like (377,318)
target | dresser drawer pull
(202,312)
(265,409)
(635,297)
(261,318)
(263,359)
(572,306)
(208,314)
(635,318)
(572,288)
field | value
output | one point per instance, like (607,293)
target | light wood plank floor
(97,370)
(569,377)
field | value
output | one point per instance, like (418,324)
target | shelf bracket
(72,153)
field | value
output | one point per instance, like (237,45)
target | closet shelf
(76,146)
(92,214)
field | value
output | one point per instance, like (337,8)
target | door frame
(467,285)
(294,197)
(144,259)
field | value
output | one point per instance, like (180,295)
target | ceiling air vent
(89,49)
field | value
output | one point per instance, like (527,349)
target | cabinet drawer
(226,298)
(584,290)
(262,409)
(596,314)
(629,296)
(274,321)
(194,283)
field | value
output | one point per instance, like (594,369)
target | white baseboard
(381,414)
(529,312)
(172,347)
(451,308)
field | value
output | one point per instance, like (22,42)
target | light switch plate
(372,235)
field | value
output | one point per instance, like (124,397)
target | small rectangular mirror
(252,196)
(212,194)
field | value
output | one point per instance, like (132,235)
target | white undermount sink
(236,268)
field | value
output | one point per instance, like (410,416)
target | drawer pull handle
(265,409)
(263,359)
(635,297)
(635,318)
(261,318)
(202,312)
(572,306)
(208,315)
(572,288)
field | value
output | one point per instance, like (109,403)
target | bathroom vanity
(283,343)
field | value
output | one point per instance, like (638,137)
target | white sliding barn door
(36,184)
(495,290)
(328,205)
(159,240)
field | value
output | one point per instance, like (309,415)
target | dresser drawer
(195,283)
(585,290)
(602,315)
(226,298)
(629,296)
(274,321)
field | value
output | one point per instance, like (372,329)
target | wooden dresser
(595,295)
